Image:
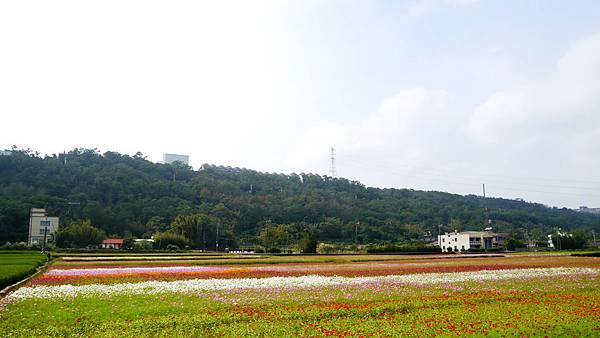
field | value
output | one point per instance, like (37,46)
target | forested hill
(131,195)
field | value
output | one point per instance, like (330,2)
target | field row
(81,274)
(417,297)
(537,305)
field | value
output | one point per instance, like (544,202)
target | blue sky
(424,94)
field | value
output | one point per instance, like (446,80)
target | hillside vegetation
(129,195)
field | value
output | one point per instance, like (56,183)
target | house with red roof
(112,243)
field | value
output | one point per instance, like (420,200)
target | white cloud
(565,103)
(549,128)
(400,130)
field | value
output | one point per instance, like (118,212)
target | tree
(79,234)
(163,240)
(155,224)
(567,241)
(309,242)
(275,236)
(514,243)
(194,228)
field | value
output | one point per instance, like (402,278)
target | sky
(442,95)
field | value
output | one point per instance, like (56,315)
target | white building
(589,210)
(5,152)
(550,243)
(463,241)
(454,241)
(170,158)
(41,226)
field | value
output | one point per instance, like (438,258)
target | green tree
(309,242)
(514,243)
(274,237)
(169,238)
(79,234)
(194,228)
(567,241)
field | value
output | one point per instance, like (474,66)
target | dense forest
(126,195)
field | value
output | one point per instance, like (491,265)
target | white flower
(198,285)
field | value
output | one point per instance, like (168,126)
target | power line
(476,178)
(495,176)
(472,182)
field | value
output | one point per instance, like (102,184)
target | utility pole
(356,233)
(267,239)
(45,235)
(217,246)
(204,238)
(487,214)
(332,171)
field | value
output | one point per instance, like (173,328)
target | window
(443,240)
(456,239)
(463,247)
(42,231)
(45,223)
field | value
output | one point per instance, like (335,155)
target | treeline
(126,195)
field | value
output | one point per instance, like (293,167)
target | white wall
(457,241)
(36,234)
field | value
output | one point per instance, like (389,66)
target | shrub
(416,247)
(162,240)
(172,247)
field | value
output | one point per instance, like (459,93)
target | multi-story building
(454,241)
(170,158)
(41,226)
(463,241)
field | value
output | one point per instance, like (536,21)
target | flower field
(436,296)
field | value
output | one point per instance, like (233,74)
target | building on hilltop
(41,227)
(463,241)
(589,210)
(171,158)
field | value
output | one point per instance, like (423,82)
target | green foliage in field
(15,266)
(417,247)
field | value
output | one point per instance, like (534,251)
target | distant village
(43,228)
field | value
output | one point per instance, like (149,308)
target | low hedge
(403,248)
